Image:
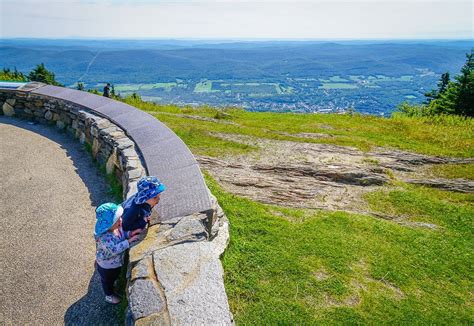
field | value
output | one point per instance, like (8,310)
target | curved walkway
(49,188)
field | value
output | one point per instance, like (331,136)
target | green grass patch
(453,171)
(126,87)
(203,87)
(405,78)
(203,143)
(286,266)
(337,86)
(166,86)
(450,210)
(443,135)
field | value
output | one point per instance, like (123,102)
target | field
(304,266)
(333,93)
(204,87)
(127,88)
(337,85)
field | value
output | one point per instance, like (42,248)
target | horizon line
(92,38)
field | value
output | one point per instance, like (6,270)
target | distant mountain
(155,61)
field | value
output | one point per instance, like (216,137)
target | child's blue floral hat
(148,187)
(106,214)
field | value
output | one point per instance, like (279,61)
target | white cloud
(302,19)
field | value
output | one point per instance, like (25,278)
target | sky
(237,19)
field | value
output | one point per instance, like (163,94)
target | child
(137,209)
(111,243)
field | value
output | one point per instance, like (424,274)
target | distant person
(107,90)
(111,243)
(137,209)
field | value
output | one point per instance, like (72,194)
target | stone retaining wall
(174,274)
(109,144)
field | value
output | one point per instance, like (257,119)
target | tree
(7,75)
(442,86)
(80,86)
(458,96)
(465,100)
(41,74)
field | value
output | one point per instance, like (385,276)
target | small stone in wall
(123,143)
(95,147)
(11,101)
(48,115)
(131,189)
(134,174)
(82,138)
(8,109)
(111,163)
(60,124)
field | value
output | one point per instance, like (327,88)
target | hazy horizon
(86,38)
(284,20)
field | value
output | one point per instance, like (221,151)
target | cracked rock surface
(311,175)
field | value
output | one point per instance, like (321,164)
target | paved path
(49,188)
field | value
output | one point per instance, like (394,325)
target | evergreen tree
(465,99)
(458,96)
(15,75)
(442,86)
(41,74)
(443,83)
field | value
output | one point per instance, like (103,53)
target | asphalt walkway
(49,189)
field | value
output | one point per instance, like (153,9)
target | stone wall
(175,276)
(109,144)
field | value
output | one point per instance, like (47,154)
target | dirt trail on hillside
(309,175)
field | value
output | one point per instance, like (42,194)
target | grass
(286,266)
(453,171)
(443,136)
(334,79)
(337,86)
(166,86)
(127,88)
(203,87)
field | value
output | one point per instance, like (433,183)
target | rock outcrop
(311,175)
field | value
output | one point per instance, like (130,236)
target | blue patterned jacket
(110,248)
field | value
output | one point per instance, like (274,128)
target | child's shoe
(113,299)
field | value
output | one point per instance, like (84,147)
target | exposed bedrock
(311,175)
